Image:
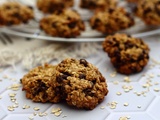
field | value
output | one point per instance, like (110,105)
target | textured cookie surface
(149,11)
(50,6)
(63,24)
(82,84)
(40,84)
(13,13)
(127,54)
(111,20)
(98,4)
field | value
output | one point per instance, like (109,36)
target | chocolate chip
(84,62)
(60,78)
(82,76)
(88,92)
(72,25)
(30,7)
(146,11)
(111,10)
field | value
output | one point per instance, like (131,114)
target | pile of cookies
(60,20)
(77,82)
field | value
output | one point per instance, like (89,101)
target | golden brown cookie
(40,84)
(65,23)
(13,13)
(127,54)
(133,1)
(82,84)
(112,20)
(149,11)
(50,6)
(98,4)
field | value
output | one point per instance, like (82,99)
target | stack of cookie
(77,82)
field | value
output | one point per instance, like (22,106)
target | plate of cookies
(78,20)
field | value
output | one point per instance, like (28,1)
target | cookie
(40,84)
(50,6)
(149,11)
(127,54)
(98,4)
(112,20)
(83,85)
(13,13)
(65,23)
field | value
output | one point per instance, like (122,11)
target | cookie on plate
(65,23)
(98,4)
(82,84)
(127,54)
(13,13)
(149,11)
(50,6)
(40,84)
(112,20)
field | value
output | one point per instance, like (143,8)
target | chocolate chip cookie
(112,20)
(65,23)
(127,54)
(83,85)
(50,6)
(149,11)
(13,13)
(98,4)
(40,84)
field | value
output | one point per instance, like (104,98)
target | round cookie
(98,4)
(149,11)
(40,84)
(127,54)
(111,20)
(82,84)
(50,6)
(65,23)
(13,13)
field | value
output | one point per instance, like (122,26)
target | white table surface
(143,103)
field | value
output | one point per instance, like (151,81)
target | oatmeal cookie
(50,6)
(111,20)
(65,23)
(82,84)
(13,13)
(149,11)
(98,4)
(40,84)
(127,54)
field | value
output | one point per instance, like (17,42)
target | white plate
(31,30)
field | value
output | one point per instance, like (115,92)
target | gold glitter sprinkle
(127,79)
(5,76)
(126,104)
(156,89)
(36,108)
(113,74)
(10,108)
(0,97)
(119,93)
(124,118)
(0,80)
(112,105)
(138,106)
(31,118)
(115,82)
(26,106)
(102,107)
(56,111)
